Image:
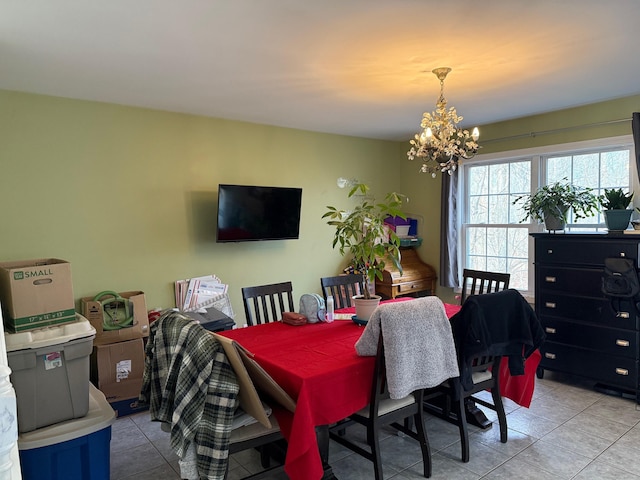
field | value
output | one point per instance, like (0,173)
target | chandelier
(440,143)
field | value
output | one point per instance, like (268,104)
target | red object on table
(317,365)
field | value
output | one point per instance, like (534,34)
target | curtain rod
(555,130)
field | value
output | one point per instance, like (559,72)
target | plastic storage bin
(50,373)
(73,450)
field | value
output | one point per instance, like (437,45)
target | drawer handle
(550,330)
(550,251)
(622,254)
(622,371)
(551,356)
(550,304)
(622,314)
(550,279)
(622,343)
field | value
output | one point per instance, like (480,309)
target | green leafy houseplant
(363,233)
(556,199)
(615,199)
(616,214)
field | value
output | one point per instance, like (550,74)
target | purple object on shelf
(396,221)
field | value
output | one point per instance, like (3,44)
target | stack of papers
(242,418)
(196,294)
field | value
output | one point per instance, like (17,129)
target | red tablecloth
(318,366)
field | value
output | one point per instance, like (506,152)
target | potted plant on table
(551,204)
(363,233)
(615,203)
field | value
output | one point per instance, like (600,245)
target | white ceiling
(352,67)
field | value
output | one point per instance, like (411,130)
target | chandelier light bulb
(475,134)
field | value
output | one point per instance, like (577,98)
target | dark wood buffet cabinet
(586,336)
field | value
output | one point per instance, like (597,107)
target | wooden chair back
(342,288)
(266,303)
(478,282)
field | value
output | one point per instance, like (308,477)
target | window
(493,237)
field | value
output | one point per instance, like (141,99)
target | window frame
(538,173)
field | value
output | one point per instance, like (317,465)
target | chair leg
(375,451)
(462,427)
(424,442)
(502,417)
(265,458)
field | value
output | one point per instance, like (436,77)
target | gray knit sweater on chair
(418,344)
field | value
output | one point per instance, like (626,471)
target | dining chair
(478,282)
(191,387)
(382,411)
(505,320)
(266,303)
(414,349)
(256,389)
(454,404)
(342,288)
(233,381)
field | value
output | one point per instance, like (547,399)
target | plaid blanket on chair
(189,383)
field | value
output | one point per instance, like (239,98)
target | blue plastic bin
(73,450)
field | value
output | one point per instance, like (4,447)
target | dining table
(317,365)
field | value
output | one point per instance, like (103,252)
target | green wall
(587,122)
(129,195)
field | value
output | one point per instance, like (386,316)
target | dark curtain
(449,231)
(635,128)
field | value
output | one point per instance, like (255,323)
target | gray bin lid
(47,336)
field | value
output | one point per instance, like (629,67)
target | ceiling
(352,67)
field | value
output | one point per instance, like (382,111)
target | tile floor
(570,432)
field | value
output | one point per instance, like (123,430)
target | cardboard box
(117,370)
(36,293)
(93,311)
(128,406)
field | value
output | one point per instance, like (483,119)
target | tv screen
(248,213)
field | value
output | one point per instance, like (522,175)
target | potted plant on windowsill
(551,204)
(615,203)
(363,233)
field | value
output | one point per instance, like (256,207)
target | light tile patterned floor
(570,432)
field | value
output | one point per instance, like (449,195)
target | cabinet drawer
(578,281)
(609,369)
(410,287)
(583,251)
(611,341)
(586,309)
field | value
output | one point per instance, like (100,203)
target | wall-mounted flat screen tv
(248,212)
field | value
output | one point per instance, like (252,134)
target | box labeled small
(36,293)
